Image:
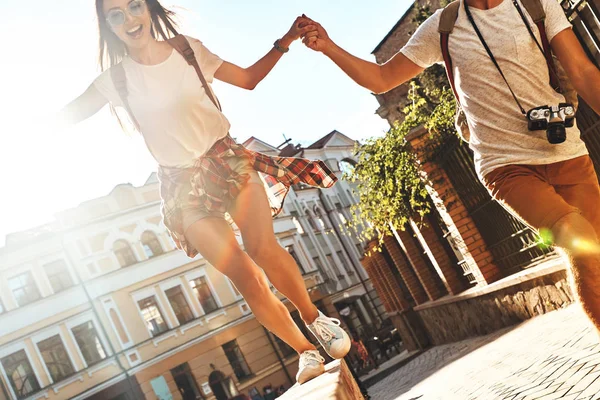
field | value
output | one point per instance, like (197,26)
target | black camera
(554,120)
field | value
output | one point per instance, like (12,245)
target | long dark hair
(112,49)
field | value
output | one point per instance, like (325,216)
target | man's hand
(316,38)
(300,27)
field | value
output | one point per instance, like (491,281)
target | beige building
(100,305)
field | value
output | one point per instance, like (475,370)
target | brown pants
(542,194)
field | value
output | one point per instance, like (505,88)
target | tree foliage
(389,181)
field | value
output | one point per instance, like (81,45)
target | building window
(296,222)
(124,253)
(347,266)
(360,249)
(342,218)
(321,222)
(290,250)
(20,374)
(180,306)
(347,167)
(24,289)
(56,358)
(320,219)
(152,316)
(204,294)
(151,245)
(89,343)
(335,266)
(237,360)
(298,225)
(311,221)
(59,276)
(317,262)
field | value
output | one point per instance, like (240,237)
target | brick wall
(406,270)
(453,212)
(454,279)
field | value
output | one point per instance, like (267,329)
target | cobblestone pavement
(553,356)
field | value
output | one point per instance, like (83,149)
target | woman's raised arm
(83,107)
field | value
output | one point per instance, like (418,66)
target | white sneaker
(311,366)
(334,339)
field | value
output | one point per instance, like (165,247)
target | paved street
(554,356)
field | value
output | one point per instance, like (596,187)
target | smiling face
(129,20)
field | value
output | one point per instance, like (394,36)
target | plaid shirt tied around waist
(225,184)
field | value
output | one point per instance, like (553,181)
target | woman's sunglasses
(116,16)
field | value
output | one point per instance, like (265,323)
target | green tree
(390,183)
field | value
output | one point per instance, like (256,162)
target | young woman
(203,172)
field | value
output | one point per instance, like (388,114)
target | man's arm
(377,78)
(584,75)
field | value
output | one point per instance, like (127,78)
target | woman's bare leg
(215,240)
(252,213)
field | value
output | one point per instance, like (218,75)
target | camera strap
(545,46)
(487,49)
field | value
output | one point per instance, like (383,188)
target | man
(550,186)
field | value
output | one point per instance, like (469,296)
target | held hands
(301,27)
(315,38)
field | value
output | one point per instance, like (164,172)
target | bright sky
(49,57)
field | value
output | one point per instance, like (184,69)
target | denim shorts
(191,213)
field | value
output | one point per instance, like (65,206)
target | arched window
(347,166)
(124,253)
(151,245)
(310,220)
(319,218)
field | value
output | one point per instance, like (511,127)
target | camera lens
(556,133)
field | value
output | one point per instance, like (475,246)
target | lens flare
(583,246)
(546,238)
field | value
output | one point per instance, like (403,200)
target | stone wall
(458,319)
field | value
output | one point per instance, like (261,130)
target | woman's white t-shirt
(178,120)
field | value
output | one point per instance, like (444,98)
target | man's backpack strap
(181,44)
(445,27)
(448,17)
(535,9)
(117,73)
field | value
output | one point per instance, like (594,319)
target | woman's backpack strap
(181,44)
(117,73)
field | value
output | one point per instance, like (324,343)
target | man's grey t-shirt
(499,134)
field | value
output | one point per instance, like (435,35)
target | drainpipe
(339,235)
(287,374)
(102,327)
